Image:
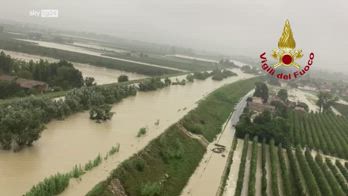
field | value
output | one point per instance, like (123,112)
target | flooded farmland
(78,139)
(101,75)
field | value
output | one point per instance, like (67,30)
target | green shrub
(114,149)
(142,131)
(193,127)
(139,164)
(151,189)
(77,172)
(50,186)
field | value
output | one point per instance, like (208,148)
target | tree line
(58,75)
(22,122)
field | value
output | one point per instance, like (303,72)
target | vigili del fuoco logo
(286,55)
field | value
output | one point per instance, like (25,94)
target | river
(101,75)
(78,139)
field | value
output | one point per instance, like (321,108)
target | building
(256,104)
(25,83)
(257,100)
(257,107)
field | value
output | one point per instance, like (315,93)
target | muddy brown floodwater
(101,75)
(78,139)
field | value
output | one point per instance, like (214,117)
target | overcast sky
(232,27)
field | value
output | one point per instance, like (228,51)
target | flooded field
(304,96)
(97,47)
(78,139)
(101,75)
(82,50)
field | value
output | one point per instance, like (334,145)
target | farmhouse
(25,83)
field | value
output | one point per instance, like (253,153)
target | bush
(101,113)
(222,74)
(151,189)
(77,172)
(190,77)
(139,164)
(114,149)
(193,127)
(152,84)
(50,186)
(142,131)
(91,164)
(122,78)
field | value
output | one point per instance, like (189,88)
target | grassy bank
(165,165)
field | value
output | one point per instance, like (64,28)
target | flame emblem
(286,54)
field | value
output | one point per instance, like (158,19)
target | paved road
(238,111)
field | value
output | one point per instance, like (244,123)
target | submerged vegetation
(101,113)
(152,84)
(31,114)
(57,183)
(142,131)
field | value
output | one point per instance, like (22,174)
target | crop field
(291,171)
(323,132)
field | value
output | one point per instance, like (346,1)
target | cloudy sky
(232,27)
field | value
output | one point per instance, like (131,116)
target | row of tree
(22,122)
(265,125)
(274,168)
(241,172)
(320,131)
(304,175)
(253,166)
(60,74)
